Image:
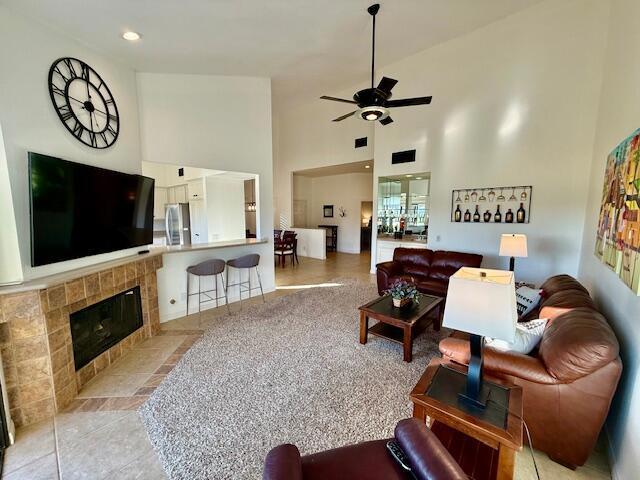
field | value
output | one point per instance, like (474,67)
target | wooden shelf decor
(510,204)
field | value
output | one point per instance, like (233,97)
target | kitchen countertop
(405,239)
(57,278)
(208,246)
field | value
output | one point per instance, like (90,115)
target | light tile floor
(102,436)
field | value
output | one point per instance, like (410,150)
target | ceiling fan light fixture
(131,36)
(373,113)
(374,102)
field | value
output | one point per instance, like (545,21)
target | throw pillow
(527,299)
(528,335)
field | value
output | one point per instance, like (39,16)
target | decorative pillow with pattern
(528,336)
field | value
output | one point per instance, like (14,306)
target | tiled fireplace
(35,334)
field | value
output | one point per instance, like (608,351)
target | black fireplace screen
(100,326)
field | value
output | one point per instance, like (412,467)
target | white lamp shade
(482,304)
(513,245)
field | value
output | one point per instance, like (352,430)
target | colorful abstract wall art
(618,236)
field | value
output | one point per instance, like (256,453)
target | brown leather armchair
(569,382)
(428,459)
(428,269)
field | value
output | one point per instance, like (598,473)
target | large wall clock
(84,102)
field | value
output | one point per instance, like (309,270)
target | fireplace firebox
(100,326)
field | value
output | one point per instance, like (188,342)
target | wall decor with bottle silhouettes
(492,204)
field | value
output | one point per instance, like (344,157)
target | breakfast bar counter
(41,283)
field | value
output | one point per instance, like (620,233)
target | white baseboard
(209,305)
(350,251)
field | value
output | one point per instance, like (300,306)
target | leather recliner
(568,382)
(428,269)
(428,459)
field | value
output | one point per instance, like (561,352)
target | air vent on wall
(403,157)
(361,142)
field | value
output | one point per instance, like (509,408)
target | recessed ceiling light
(418,178)
(131,36)
(408,176)
(367,166)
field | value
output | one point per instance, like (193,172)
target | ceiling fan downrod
(373,10)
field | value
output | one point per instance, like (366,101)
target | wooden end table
(400,325)
(484,444)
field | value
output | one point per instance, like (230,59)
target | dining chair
(295,244)
(286,247)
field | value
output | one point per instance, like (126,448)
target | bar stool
(246,262)
(208,268)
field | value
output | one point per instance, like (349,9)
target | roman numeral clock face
(84,102)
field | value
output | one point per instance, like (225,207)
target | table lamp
(481,302)
(513,245)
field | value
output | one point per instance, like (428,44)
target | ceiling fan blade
(339,119)
(386,121)
(336,99)
(407,102)
(386,84)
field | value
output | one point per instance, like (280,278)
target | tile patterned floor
(100,435)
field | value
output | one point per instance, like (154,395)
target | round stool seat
(208,267)
(246,261)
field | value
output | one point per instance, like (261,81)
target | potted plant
(403,293)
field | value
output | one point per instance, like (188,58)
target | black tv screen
(78,210)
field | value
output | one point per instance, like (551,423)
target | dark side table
(483,443)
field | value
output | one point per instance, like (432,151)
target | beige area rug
(288,371)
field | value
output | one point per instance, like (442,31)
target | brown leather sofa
(428,269)
(569,381)
(428,459)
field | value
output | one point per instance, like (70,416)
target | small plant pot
(401,302)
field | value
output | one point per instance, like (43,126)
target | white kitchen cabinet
(385,248)
(177,194)
(195,189)
(385,252)
(198,214)
(181,193)
(225,208)
(159,201)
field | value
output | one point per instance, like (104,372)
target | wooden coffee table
(400,325)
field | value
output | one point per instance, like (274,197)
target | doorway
(366,216)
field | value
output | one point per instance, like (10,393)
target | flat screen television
(78,210)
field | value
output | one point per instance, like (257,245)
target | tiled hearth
(128,383)
(35,334)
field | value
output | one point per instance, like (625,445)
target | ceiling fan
(374,103)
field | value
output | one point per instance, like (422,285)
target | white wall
(10,265)
(312,242)
(214,122)
(347,191)
(514,103)
(302,193)
(619,115)
(167,175)
(29,121)
(307,138)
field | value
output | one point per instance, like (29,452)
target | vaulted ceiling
(308,47)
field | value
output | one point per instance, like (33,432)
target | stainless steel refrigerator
(177,224)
